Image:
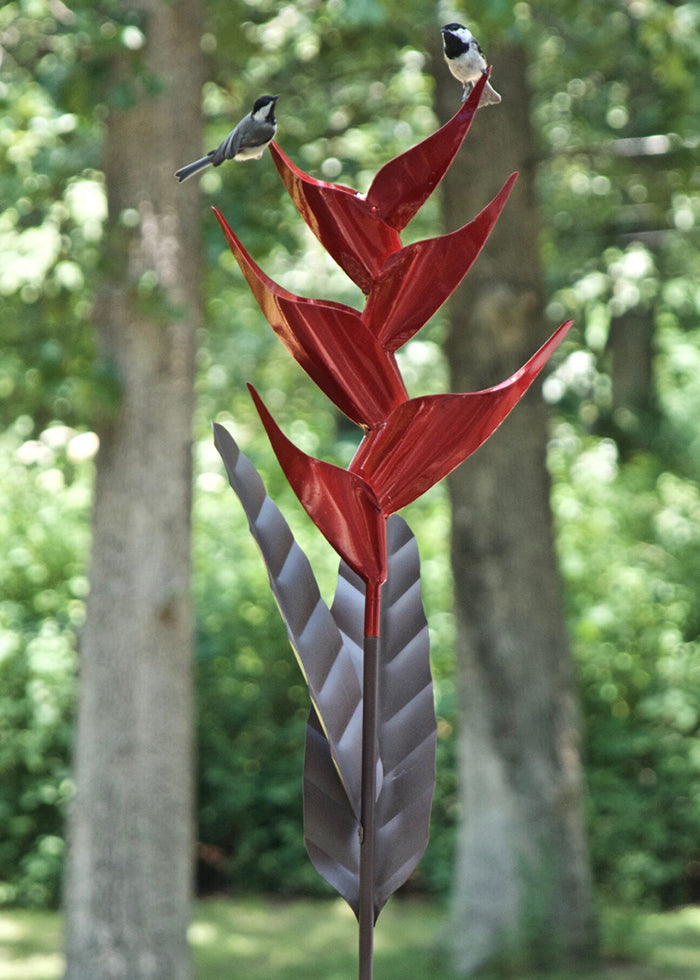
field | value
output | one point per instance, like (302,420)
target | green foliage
(43,540)
(50,233)
(619,134)
(629,544)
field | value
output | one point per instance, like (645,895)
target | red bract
(354,234)
(361,231)
(330,341)
(348,355)
(416,281)
(404,184)
(424,439)
(341,504)
(419,443)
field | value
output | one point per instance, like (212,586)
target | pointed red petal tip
(425,438)
(291,174)
(362,231)
(341,504)
(255,276)
(416,281)
(329,341)
(405,183)
(260,284)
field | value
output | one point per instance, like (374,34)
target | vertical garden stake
(369,768)
(370,680)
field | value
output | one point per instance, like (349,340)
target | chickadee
(466,61)
(246,142)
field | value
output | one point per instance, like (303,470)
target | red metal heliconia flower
(341,504)
(330,341)
(410,444)
(374,837)
(361,231)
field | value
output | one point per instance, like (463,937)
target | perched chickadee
(246,142)
(466,61)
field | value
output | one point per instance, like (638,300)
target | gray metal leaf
(331,830)
(329,663)
(407,725)
(328,645)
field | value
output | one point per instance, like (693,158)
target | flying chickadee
(246,142)
(466,61)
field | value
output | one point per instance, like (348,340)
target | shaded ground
(267,939)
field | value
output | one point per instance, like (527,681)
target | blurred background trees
(614,109)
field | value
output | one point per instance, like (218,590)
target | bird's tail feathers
(489,96)
(192,168)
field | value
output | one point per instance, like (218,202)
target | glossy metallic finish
(361,231)
(341,504)
(425,438)
(330,341)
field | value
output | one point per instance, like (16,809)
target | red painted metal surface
(416,281)
(348,354)
(341,504)
(404,184)
(420,442)
(425,438)
(347,227)
(330,341)
(409,444)
(361,231)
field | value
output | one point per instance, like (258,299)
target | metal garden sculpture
(369,769)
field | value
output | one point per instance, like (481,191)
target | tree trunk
(631,344)
(523,887)
(129,875)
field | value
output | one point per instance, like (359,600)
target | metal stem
(370,683)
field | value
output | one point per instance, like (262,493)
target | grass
(269,939)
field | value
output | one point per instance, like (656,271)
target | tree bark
(631,346)
(129,874)
(523,886)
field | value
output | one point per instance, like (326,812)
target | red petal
(361,231)
(341,504)
(424,439)
(330,341)
(416,281)
(342,220)
(404,184)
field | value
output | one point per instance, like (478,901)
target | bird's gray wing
(263,133)
(241,139)
(228,149)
